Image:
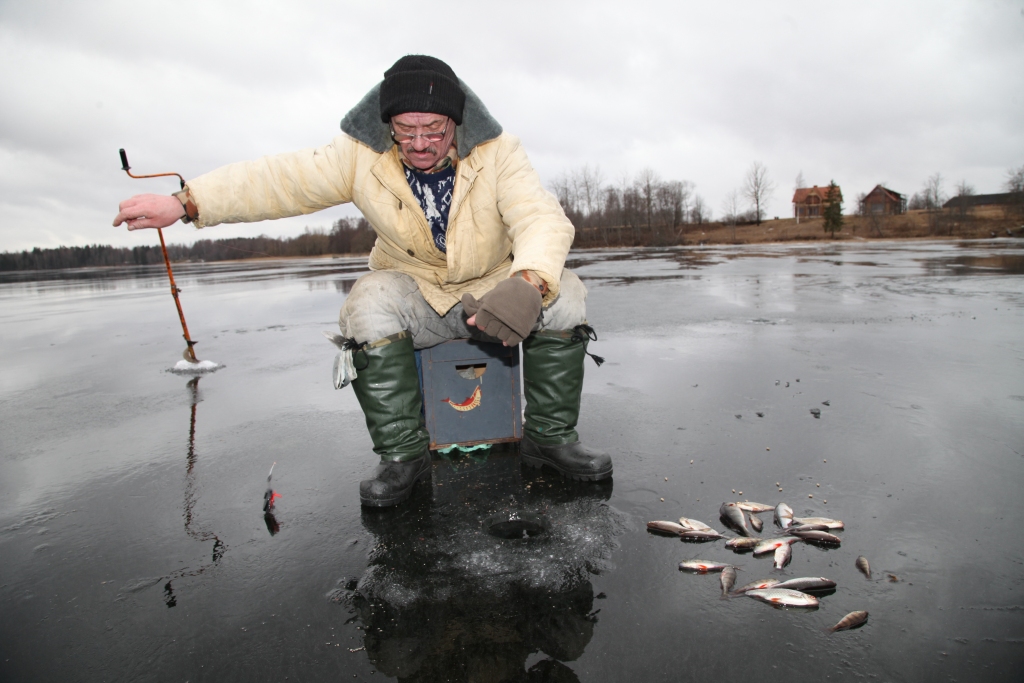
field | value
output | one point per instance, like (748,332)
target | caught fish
(754,507)
(822,537)
(833,524)
(771,544)
(783,555)
(736,518)
(783,515)
(863,566)
(851,620)
(742,543)
(760,584)
(270,495)
(783,597)
(728,580)
(693,524)
(702,566)
(699,536)
(808,583)
(755,522)
(666,528)
(806,527)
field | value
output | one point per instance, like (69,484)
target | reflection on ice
(442,595)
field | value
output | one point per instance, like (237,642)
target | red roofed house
(809,202)
(882,201)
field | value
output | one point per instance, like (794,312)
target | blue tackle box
(471,393)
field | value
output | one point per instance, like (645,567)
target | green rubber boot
(388,390)
(553,384)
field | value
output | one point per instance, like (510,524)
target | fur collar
(363,123)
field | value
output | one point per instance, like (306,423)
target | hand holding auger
(157,211)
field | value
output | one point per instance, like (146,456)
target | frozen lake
(135,548)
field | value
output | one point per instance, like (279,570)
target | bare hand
(149,211)
(471,320)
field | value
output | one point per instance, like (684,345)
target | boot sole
(402,496)
(533,461)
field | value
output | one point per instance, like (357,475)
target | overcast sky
(862,92)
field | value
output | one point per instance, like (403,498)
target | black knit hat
(421,83)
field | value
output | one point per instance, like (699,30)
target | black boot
(388,390)
(553,383)
(392,482)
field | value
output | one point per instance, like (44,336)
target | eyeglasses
(403,138)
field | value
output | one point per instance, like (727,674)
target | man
(469,244)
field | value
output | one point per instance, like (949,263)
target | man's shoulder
(496,148)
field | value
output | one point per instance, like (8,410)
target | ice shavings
(183,367)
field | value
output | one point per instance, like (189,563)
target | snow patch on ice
(183,367)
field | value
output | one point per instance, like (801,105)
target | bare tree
(589,183)
(646,183)
(758,188)
(963,191)
(1015,186)
(700,212)
(564,189)
(731,210)
(933,192)
(800,182)
(934,196)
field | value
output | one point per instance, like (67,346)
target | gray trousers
(386,302)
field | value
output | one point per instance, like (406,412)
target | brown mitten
(508,312)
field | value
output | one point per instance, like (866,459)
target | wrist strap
(542,288)
(191,210)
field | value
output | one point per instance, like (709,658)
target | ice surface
(917,347)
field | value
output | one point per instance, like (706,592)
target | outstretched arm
(275,186)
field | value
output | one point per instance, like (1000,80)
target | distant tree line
(642,210)
(347,236)
(647,210)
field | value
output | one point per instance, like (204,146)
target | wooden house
(882,201)
(972,200)
(809,202)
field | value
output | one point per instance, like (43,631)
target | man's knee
(376,306)
(570,306)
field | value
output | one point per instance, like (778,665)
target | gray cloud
(859,92)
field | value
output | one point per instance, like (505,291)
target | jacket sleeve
(277,186)
(540,232)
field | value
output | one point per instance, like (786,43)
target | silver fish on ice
(736,518)
(821,537)
(700,536)
(771,544)
(750,506)
(833,524)
(728,580)
(783,555)
(693,524)
(783,597)
(702,566)
(662,527)
(808,583)
(783,515)
(863,565)
(851,620)
(760,584)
